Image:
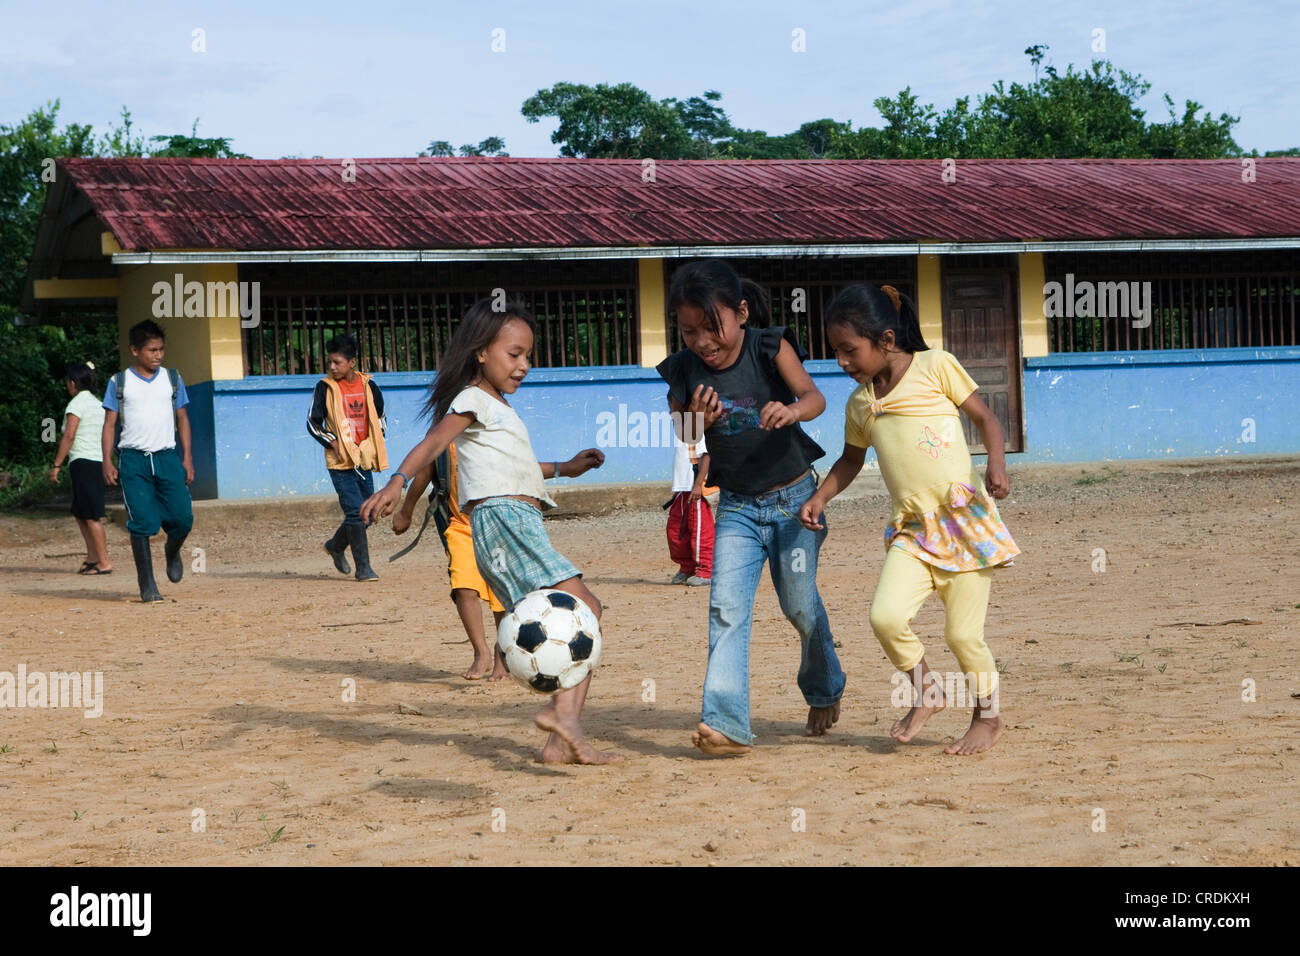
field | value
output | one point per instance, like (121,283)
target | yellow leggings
(905,582)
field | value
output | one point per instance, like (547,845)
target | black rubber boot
(361,552)
(175,563)
(144,569)
(337,548)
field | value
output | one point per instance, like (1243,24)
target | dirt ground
(1123,690)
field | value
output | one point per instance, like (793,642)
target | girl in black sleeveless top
(746,388)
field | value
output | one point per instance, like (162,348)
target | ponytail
(82,375)
(708,283)
(871,311)
(760,311)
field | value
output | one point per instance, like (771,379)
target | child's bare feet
(716,744)
(909,725)
(566,743)
(481,667)
(983,734)
(821,719)
(499,671)
(557,751)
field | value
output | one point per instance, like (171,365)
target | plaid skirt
(513,552)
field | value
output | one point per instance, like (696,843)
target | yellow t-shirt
(942,512)
(915,429)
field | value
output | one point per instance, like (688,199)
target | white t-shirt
(683,473)
(150,420)
(494,455)
(88,442)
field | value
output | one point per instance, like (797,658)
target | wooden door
(981,328)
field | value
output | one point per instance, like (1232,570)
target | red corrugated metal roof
(251,205)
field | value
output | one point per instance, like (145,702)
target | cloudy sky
(378,78)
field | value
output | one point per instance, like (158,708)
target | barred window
(404,316)
(1108,302)
(799,289)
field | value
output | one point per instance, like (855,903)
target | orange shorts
(463,567)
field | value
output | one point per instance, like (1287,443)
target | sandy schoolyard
(1153,705)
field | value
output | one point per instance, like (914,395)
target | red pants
(690,535)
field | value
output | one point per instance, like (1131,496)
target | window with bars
(820,280)
(403,318)
(1196,300)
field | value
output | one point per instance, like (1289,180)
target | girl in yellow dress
(945,535)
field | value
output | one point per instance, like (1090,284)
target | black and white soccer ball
(550,641)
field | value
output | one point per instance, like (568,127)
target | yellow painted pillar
(929,299)
(1033,317)
(653,309)
(202,347)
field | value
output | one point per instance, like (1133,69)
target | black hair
(344,344)
(706,283)
(459,366)
(142,332)
(81,375)
(869,311)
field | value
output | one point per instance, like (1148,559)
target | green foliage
(492,146)
(37,356)
(1079,113)
(1085,112)
(26,151)
(611,122)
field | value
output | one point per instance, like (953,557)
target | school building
(1110,309)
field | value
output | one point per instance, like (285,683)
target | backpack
(439,505)
(119,387)
(440,496)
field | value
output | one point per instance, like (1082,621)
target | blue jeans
(748,531)
(353,488)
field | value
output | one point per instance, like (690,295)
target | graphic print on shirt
(931,443)
(354,410)
(738,415)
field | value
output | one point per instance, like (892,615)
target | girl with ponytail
(945,534)
(743,386)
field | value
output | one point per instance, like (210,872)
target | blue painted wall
(1086,407)
(199,411)
(1178,403)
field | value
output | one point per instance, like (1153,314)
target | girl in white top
(500,486)
(81,449)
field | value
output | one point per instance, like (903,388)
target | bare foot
(557,751)
(929,703)
(481,668)
(821,719)
(716,744)
(499,672)
(983,734)
(566,727)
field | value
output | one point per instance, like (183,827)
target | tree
(38,355)
(1088,112)
(613,122)
(492,146)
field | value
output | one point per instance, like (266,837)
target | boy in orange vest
(347,418)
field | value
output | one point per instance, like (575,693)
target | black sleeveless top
(744,458)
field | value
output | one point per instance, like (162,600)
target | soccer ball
(550,641)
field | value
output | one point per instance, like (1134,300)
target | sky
(377,78)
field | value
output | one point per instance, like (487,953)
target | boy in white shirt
(690,519)
(150,402)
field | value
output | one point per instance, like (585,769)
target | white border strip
(673,252)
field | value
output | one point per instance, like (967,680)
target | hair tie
(890,291)
(90,365)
